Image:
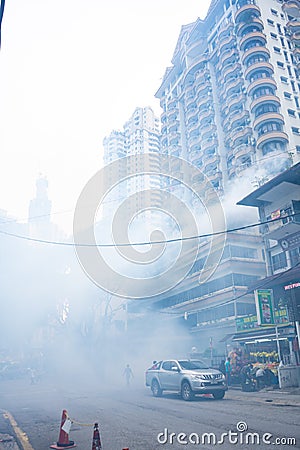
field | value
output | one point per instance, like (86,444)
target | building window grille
(279,261)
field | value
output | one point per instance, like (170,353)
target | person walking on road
(128,374)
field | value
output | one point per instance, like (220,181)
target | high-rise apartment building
(140,136)
(231,98)
(292,10)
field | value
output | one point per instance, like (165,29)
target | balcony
(284,227)
(236,99)
(191,114)
(174,137)
(205,100)
(264,99)
(194,143)
(296,39)
(243,26)
(204,72)
(203,89)
(210,158)
(273,116)
(258,65)
(256,50)
(226,44)
(238,135)
(294,25)
(292,8)
(257,35)
(268,82)
(209,143)
(228,57)
(246,12)
(231,70)
(192,128)
(235,83)
(242,150)
(271,136)
(206,116)
(189,101)
(208,130)
(224,30)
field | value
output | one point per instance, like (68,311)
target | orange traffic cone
(63,439)
(96,438)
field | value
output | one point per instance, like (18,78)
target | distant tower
(40,206)
(40,210)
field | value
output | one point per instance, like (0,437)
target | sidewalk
(278,397)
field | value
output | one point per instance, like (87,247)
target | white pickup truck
(189,377)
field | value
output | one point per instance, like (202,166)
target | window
(291,113)
(286,56)
(289,71)
(265,109)
(280,64)
(293,86)
(269,127)
(279,29)
(277,50)
(297,101)
(295,130)
(273,36)
(279,261)
(274,12)
(298,148)
(273,146)
(284,79)
(270,22)
(263,91)
(282,42)
(287,95)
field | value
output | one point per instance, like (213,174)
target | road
(131,417)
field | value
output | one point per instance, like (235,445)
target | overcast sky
(70,72)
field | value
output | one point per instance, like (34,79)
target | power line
(166,241)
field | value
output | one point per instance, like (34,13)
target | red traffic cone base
(96,438)
(63,439)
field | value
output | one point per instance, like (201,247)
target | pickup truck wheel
(186,391)
(155,388)
(218,395)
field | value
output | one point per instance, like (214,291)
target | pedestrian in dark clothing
(222,367)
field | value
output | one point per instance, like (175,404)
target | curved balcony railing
(274,116)
(257,49)
(270,82)
(224,30)
(258,65)
(273,99)
(245,12)
(292,8)
(241,27)
(271,136)
(257,35)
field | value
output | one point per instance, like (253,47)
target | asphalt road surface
(131,417)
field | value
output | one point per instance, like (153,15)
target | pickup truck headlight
(196,377)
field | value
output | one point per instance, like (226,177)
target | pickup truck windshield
(192,365)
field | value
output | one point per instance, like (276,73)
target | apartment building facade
(231,98)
